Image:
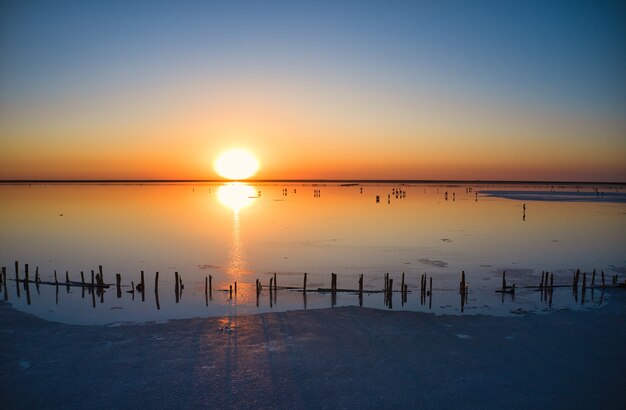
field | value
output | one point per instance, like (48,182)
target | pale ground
(330,358)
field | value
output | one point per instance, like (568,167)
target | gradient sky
(365,89)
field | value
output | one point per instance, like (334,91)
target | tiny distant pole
(17,278)
(210,287)
(156,291)
(26,285)
(67,281)
(304,284)
(593,278)
(176,286)
(92,280)
(101,274)
(584,281)
(118,280)
(503,281)
(4,283)
(235,287)
(82,279)
(430,299)
(206,291)
(602,276)
(275,283)
(143,288)
(231,292)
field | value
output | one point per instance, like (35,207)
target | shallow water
(244,232)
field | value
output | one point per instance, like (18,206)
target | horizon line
(340,180)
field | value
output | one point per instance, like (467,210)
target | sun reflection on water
(236,196)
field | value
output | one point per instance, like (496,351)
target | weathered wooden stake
(17,278)
(462,285)
(91,288)
(156,290)
(430,292)
(231,292)
(210,287)
(304,285)
(584,281)
(503,281)
(118,284)
(361,284)
(275,283)
(602,277)
(542,278)
(143,288)
(4,283)
(26,284)
(82,278)
(593,278)
(101,275)
(67,281)
(235,287)
(206,291)
(176,286)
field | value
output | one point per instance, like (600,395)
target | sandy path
(330,358)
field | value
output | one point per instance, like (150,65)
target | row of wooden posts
(98,285)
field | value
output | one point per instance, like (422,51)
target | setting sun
(236,164)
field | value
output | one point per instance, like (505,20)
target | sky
(488,90)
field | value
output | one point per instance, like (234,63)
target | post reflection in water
(236,196)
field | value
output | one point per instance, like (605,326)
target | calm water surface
(244,232)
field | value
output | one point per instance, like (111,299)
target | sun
(236,164)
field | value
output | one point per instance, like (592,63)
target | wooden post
(156,290)
(542,278)
(402,286)
(17,278)
(304,285)
(118,283)
(271,292)
(361,284)
(584,281)
(210,287)
(37,278)
(602,276)
(82,279)
(275,283)
(67,281)
(4,283)
(503,281)
(430,292)
(143,288)
(92,281)
(101,275)
(176,286)
(235,287)
(26,284)
(231,292)
(462,285)
(206,291)
(593,278)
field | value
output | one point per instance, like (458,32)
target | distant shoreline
(306,181)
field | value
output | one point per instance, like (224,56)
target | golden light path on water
(236,196)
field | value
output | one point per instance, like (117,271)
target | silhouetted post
(56,281)
(593,278)
(402,286)
(390,292)
(156,291)
(271,291)
(101,275)
(91,288)
(551,290)
(206,291)
(93,291)
(176,286)
(361,284)
(503,281)
(462,285)
(430,292)
(231,292)
(542,278)
(4,283)
(67,281)
(258,292)
(602,276)
(235,287)
(118,285)
(304,284)
(406,292)
(210,287)
(26,284)
(82,279)
(275,283)
(143,288)
(17,278)
(584,281)
(37,278)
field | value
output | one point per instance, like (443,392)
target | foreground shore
(329,358)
